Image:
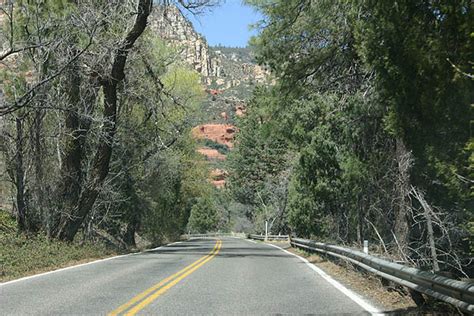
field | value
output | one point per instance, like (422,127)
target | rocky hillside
(228,74)
(170,24)
(222,68)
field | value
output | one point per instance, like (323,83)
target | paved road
(197,277)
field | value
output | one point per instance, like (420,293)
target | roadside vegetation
(24,255)
(367,133)
(96,153)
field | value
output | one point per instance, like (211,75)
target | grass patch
(22,255)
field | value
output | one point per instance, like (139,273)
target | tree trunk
(360,225)
(69,225)
(39,174)
(427,212)
(40,185)
(403,205)
(71,171)
(21,204)
(132,226)
(431,240)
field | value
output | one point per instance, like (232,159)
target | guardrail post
(266,230)
(366,246)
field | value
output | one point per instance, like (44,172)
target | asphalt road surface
(226,276)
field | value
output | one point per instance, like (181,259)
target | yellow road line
(165,288)
(157,286)
(161,283)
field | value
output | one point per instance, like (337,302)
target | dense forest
(367,133)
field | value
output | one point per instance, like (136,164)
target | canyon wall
(170,24)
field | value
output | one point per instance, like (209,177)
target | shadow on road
(230,249)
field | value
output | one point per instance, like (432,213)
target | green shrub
(204,216)
(221,148)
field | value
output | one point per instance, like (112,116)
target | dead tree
(403,205)
(428,214)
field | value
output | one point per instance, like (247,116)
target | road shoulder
(389,299)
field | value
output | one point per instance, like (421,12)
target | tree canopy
(372,107)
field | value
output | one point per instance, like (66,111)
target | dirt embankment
(221,134)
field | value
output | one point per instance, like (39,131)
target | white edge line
(84,264)
(251,241)
(352,295)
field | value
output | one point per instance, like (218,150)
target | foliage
(260,164)
(429,101)
(221,148)
(204,216)
(373,102)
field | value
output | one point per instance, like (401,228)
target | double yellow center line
(143,299)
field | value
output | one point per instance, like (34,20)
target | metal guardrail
(238,235)
(213,235)
(269,237)
(457,293)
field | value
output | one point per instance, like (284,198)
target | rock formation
(170,24)
(219,67)
(220,133)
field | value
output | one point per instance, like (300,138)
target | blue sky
(227,24)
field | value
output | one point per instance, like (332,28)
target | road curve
(198,277)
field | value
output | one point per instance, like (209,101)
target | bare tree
(72,219)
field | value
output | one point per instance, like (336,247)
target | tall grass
(22,255)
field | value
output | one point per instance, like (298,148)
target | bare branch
(26,97)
